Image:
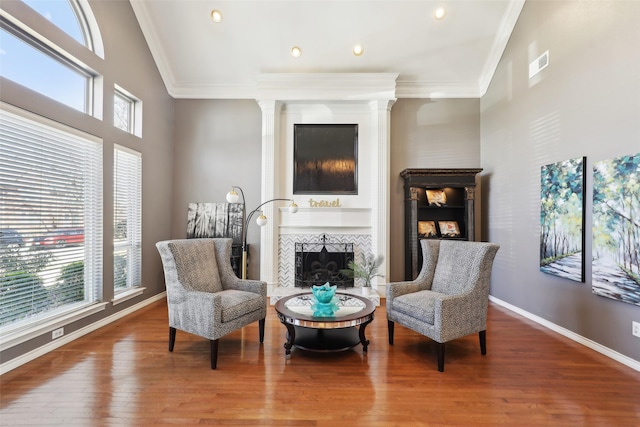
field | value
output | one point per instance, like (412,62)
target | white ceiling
(450,58)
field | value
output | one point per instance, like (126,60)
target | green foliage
(70,286)
(34,298)
(366,269)
(120,271)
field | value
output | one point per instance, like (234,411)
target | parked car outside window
(62,237)
(10,237)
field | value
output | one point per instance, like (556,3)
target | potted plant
(366,269)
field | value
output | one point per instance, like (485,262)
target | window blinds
(50,217)
(127,205)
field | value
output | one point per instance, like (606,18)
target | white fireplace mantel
(286,99)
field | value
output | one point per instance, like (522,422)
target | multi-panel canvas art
(215,220)
(616,229)
(562,219)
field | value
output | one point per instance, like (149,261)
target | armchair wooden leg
(214,353)
(483,342)
(390,325)
(172,338)
(440,353)
(261,323)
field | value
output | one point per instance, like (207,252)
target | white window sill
(127,295)
(12,339)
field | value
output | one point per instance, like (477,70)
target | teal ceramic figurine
(325,293)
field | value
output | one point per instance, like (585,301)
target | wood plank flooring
(123,375)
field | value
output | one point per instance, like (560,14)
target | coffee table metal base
(325,340)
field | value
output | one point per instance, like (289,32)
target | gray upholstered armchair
(204,296)
(450,296)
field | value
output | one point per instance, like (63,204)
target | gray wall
(218,143)
(129,64)
(585,103)
(425,133)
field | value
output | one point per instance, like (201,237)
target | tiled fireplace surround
(364,99)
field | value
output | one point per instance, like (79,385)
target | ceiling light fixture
(296,52)
(358,50)
(439,13)
(216,15)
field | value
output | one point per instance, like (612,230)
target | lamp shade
(232,196)
(293,208)
(261,220)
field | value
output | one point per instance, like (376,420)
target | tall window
(50,218)
(24,62)
(127,205)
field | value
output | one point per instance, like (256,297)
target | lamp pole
(232,197)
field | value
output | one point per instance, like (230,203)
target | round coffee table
(309,328)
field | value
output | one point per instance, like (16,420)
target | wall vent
(539,64)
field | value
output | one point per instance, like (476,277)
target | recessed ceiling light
(216,15)
(439,13)
(296,52)
(358,50)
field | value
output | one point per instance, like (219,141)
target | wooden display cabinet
(438,204)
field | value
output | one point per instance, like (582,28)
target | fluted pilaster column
(270,165)
(380,212)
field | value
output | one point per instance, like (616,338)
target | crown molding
(503,34)
(326,86)
(155,46)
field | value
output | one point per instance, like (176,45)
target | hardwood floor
(123,375)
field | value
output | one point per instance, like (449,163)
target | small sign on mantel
(325,203)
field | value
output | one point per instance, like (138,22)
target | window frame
(133,214)
(53,51)
(34,326)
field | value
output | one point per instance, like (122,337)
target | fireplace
(317,263)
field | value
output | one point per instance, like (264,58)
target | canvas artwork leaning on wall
(616,229)
(215,220)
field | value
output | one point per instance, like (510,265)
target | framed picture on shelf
(436,197)
(449,228)
(427,229)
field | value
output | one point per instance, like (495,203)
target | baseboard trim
(627,361)
(40,351)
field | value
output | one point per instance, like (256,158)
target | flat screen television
(325,159)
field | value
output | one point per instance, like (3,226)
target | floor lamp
(233,197)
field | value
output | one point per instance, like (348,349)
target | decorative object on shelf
(616,231)
(366,269)
(562,216)
(436,197)
(233,197)
(449,229)
(324,293)
(427,229)
(325,203)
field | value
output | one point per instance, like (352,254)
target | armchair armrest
(247,285)
(401,288)
(469,311)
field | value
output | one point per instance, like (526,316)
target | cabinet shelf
(454,220)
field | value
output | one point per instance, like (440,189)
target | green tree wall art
(562,218)
(616,229)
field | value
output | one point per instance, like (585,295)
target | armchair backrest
(463,265)
(195,264)
(430,253)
